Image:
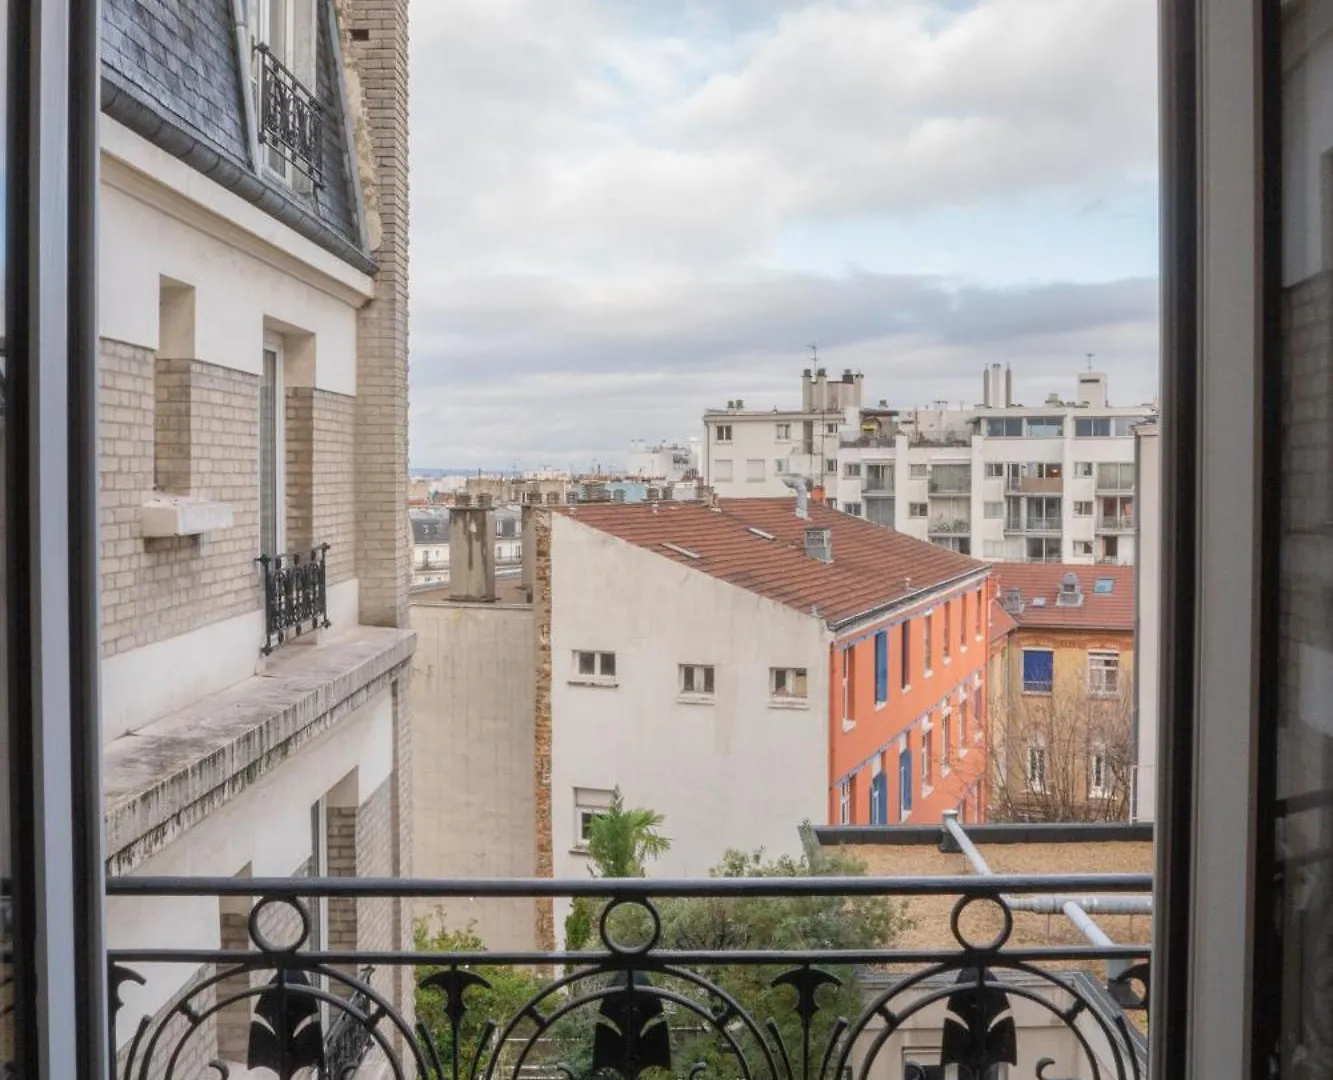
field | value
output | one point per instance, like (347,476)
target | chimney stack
(472,550)
(1008,386)
(528,574)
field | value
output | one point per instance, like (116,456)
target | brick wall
(377,68)
(321,462)
(153,589)
(541,734)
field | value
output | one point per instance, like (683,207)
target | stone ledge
(163,778)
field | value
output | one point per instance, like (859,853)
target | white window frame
(1083,470)
(780,678)
(1102,662)
(993,511)
(1035,776)
(914,507)
(917,471)
(696,682)
(1083,547)
(782,431)
(1083,507)
(723,433)
(845,803)
(851,469)
(830,429)
(599,675)
(588,804)
(1097,789)
(995,470)
(274,345)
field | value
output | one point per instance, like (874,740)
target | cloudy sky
(625,211)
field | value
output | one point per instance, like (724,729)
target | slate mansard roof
(172,74)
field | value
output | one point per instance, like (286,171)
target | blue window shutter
(1038,669)
(881,666)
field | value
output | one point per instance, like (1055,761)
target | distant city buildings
(1046,483)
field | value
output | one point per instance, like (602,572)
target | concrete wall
(736,771)
(266,831)
(473,802)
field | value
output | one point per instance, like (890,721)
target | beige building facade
(255,557)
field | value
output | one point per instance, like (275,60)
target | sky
(627,211)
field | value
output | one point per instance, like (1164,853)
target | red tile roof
(1039,586)
(758,544)
(1001,622)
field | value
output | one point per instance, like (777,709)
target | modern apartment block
(1046,483)
(252,478)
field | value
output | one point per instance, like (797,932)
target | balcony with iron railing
(949,527)
(949,486)
(1115,523)
(290,117)
(296,598)
(628,1006)
(877,485)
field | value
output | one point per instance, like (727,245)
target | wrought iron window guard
(296,597)
(628,1007)
(291,118)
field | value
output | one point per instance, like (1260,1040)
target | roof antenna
(814,354)
(1090,355)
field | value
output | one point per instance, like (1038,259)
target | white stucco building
(252,474)
(661,461)
(1052,482)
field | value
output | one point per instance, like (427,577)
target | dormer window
(289,118)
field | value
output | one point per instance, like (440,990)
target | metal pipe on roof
(1069,906)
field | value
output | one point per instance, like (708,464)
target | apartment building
(1062,693)
(751,453)
(252,478)
(1047,483)
(667,462)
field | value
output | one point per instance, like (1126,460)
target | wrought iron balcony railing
(291,118)
(296,599)
(713,1004)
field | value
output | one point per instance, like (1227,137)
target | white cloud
(599,186)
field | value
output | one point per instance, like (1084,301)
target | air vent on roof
(1070,594)
(760,533)
(819,544)
(1012,601)
(681,550)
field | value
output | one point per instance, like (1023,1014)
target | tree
(1066,755)
(620,843)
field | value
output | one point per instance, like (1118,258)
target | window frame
(599,675)
(780,696)
(722,434)
(1043,688)
(690,673)
(1103,661)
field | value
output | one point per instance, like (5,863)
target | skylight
(1104,585)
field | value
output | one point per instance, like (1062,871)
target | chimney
(819,544)
(985,386)
(807,391)
(528,578)
(1008,386)
(472,550)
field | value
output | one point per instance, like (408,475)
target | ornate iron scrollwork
(291,118)
(295,594)
(629,1010)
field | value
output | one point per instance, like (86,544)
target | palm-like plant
(620,841)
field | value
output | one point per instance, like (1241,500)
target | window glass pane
(1304,812)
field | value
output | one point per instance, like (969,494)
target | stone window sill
(788,703)
(696,699)
(606,682)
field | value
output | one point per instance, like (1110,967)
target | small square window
(595,665)
(853,508)
(1083,470)
(787,684)
(724,433)
(722,470)
(918,472)
(830,429)
(1083,547)
(697,679)
(589,805)
(1082,509)
(782,432)
(993,511)
(918,510)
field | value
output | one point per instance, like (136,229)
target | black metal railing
(348,1040)
(710,1002)
(291,118)
(296,598)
